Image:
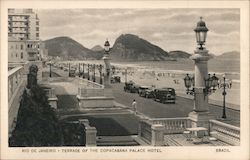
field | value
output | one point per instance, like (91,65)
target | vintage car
(115,79)
(72,73)
(131,87)
(135,88)
(149,93)
(142,90)
(165,95)
(128,86)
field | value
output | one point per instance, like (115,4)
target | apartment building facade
(23,36)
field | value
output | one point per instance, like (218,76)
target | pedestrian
(134,106)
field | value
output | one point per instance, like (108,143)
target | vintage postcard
(124,80)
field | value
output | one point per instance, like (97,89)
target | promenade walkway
(148,107)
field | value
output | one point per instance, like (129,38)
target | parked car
(131,87)
(165,95)
(72,73)
(135,88)
(65,69)
(115,79)
(149,93)
(142,90)
(128,86)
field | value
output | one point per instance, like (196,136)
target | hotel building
(23,36)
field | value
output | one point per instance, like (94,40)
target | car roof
(165,89)
(145,86)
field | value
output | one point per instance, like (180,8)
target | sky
(170,29)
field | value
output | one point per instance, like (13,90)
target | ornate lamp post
(69,69)
(224,84)
(88,71)
(50,63)
(100,71)
(107,59)
(79,69)
(113,69)
(126,74)
(83,74)
(202,81)
(94,73)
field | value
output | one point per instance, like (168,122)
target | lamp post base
(200,119)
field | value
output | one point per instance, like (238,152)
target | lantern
(201,33)
(188,81)
(214,82)
(107,46)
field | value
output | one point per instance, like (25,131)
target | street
(158,110)
(153,109)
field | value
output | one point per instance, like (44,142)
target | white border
(238,153)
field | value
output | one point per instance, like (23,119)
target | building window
(37,28)
(16,54)
(37,22)
(37,34)
(21,47)
(21,55)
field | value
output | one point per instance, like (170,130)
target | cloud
(171,29)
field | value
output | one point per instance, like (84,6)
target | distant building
(23,24)
(23,36)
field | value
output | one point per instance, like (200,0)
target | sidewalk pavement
(214,102)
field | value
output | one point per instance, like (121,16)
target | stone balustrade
(14,80)
(225,132)
(173,125)
(90,133)
(89,84)
(16,85)
(50,92)
(151,130)
(52,98)
(144,130)
(92,95)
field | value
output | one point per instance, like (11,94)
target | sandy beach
(143,74)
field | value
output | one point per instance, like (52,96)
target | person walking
(134,106)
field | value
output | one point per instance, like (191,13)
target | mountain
(179,54)
(132,47)
(69,49)
(97,48)
(233,55)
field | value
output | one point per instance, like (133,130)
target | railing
(88,84)
(50,92)
(145,131)
(91,92)
(15,79)
(90,133)
(225,132)
(91,89)
(16,85)
(173,125)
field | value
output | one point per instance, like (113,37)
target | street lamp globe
(215,82)
(188,81)
(208,82)
(107,46)
(201,33)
